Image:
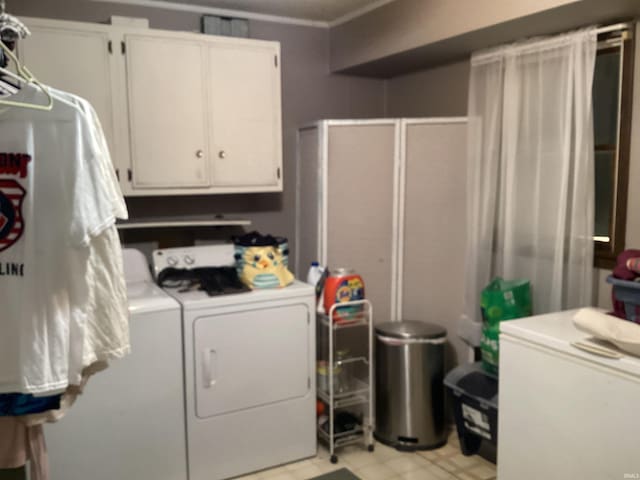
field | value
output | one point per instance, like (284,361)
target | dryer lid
(136,267)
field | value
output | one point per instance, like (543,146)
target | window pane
(606,83)
(604,192)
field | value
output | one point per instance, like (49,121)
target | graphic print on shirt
(11,224)
(14,164)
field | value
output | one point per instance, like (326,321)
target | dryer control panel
(217,255)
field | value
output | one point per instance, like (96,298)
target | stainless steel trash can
(409,388)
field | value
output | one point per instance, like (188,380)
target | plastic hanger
(9,22)
(26,79)
(24,75)
(8,88)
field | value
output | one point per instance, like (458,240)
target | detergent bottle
(314,274)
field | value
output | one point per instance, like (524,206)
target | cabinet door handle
(222,154)
(199,154)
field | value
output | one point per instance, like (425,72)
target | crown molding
(182,7)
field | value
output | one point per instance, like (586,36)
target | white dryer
(129,423)
(249,372)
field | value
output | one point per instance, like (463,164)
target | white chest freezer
(564,413)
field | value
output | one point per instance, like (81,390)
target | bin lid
(623,283)
(471,380)
(410,329)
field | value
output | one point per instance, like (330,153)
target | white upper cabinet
(75,59)
(245,114)
(183,113)
(167,112)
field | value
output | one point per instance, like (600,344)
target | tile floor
(386,463)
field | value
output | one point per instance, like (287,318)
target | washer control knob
(172,261)
(189,260)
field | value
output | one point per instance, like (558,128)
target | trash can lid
(471,380)
(410,329)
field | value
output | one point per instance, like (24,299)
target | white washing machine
(129,423)
(249,371)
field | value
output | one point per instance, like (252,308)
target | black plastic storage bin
(475,406)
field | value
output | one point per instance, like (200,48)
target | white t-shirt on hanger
(105,336)
(53,200)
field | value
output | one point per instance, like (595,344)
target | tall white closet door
(74,61)
(167,111)
(433,237)
(308,209)
(360,207)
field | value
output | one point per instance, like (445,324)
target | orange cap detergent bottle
(343,285)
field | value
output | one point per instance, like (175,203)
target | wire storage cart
(345,375)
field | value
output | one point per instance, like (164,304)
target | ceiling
(315,10)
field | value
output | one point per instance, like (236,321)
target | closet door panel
(435,228)
(167,111)
(245,114)
(360,200)
(74,61)
(309,178)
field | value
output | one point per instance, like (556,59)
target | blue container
(628,293)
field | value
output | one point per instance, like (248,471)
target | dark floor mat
(342,474)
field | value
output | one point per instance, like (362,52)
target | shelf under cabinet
(177,222)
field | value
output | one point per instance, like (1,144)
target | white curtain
(531,172)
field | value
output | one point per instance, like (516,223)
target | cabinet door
(245,114)
(76,61)
(167,111)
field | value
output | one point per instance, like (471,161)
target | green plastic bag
(501,300)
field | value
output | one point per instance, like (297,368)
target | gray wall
(437,92)
(442,91)
(407,35)
(309,92)
(404,25)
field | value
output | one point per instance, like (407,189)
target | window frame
(605,253)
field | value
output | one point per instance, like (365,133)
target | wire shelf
(359,392)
